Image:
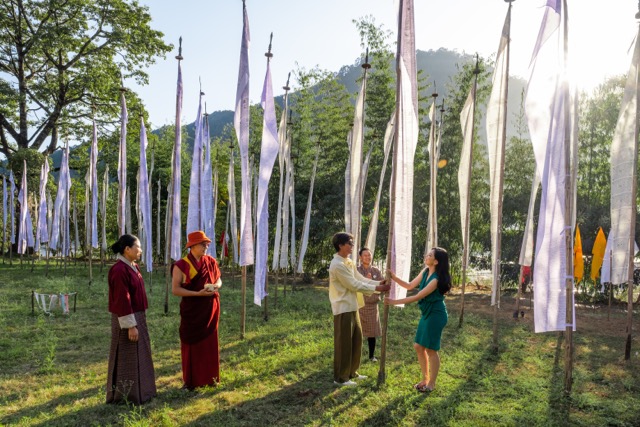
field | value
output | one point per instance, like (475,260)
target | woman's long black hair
(442,268)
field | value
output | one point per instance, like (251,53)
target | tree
(61,57)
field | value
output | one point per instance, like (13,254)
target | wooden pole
(568,235)
(168,251)
(275,301)
(498,248)
(382,374)
(632,231)
(244,299)
(520,279)
(465,237)
(266,298)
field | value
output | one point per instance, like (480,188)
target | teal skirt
(431,325)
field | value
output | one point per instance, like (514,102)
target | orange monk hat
(197,237)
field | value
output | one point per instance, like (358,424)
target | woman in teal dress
(434,282)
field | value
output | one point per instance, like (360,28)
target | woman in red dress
(131,376)
(196,279)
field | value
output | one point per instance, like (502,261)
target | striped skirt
(131,376)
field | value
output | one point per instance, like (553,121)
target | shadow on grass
(290,405)
(559,402)
(50,407)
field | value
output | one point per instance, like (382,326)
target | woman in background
(369,314)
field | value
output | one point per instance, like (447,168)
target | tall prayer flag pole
(268,154)
(194,207)
(406,138)
(122,163)
(467,121)
(624,161)
(241,124)
(432,237)
(282,141)
(373,224)
(355,162)
(173,223)
(144,198)
(496,142)
(208,202)
(93,206)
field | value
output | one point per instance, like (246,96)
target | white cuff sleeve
(128,321)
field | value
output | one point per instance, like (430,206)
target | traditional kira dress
(370,314)
(434,316)
(199,323)
(130,376)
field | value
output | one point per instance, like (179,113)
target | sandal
(417,386)
(424,389)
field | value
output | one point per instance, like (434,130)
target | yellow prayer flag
(599,247)
(578,262)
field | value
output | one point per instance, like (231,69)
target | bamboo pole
(498,249)
(632,230)
(568,235)
(382,374)
(243,307)
(465,243)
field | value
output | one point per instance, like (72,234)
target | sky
(311,32)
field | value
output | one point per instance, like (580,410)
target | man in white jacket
(346,287)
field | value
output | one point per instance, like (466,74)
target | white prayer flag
(545,109)
(406,140)
(268,154)
(624,154)
(241,124)
(144,198)
(496,141)
(176,179)
(122,166)
(194,207)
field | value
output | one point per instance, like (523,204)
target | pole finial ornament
(435,90)
(476,70)
(269,55)
(286,86)
(638,13)
(179,57)
(366,64)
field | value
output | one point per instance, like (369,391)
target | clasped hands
(383,287)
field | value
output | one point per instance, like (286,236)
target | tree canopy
(59,59)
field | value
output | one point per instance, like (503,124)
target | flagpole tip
(179,56)
(366,64)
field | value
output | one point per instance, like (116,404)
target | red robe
(199,323)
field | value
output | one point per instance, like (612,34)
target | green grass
(53,368)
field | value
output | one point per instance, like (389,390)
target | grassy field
(53,368)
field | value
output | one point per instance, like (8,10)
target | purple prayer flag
(145,200)
(241,124)
(175,238)
(268,154)
(12,208)
(4,210)
(42,231)
(122,166)
(93,186)
(208,214)
(194,207)
(25,232)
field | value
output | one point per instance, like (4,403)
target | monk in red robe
(196,279)
(130,376)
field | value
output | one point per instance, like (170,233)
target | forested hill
(439,66)
(436,65)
